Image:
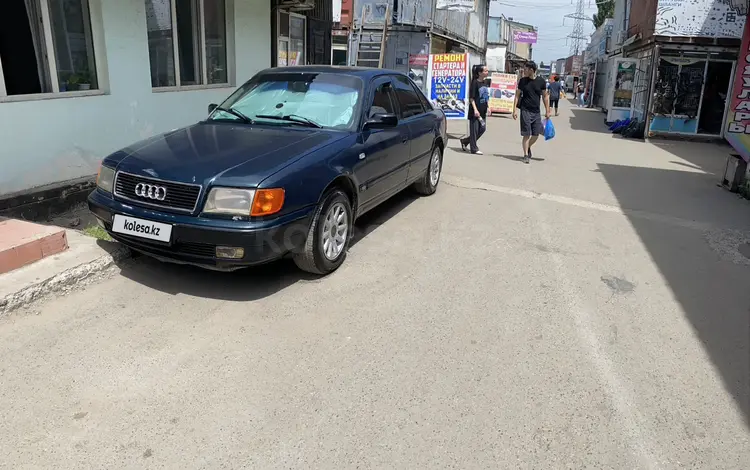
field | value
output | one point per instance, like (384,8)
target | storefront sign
(502,92)
(448,83)
(463,6)
(700,18)
(738,120)
(419,60)
(681,60)
(524,37)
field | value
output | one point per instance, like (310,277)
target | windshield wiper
(236,114)
(292,118)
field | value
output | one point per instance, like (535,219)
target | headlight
(247,202)
(229,201)
(105,180)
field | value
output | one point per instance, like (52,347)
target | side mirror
(381,121)
(211,107)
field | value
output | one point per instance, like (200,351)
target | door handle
(404,140)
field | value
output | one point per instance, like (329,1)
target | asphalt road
(589,310)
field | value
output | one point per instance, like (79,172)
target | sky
(547,16)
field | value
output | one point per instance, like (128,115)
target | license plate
(132,226)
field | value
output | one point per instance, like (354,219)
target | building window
(46,46)
(339,50)
(187,42)
(292,31)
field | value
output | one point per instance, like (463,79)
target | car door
(383,165)
(421,124)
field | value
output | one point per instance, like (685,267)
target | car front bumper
(194,239)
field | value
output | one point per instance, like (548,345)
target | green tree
(604,9)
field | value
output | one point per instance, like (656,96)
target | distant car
(282,168)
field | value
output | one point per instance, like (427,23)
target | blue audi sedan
(282,168)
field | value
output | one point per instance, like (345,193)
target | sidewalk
(696,234)
(585,161)
(85,258)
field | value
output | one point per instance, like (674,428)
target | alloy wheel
(335,231)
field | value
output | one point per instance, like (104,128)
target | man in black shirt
(530,89)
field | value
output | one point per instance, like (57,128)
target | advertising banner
(502,92)
(620,100)
(691,18)
(524,37)
(462,6)
(738,118)
(448,83)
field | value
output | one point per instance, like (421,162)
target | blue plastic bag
(549,130)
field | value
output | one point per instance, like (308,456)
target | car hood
(225,153)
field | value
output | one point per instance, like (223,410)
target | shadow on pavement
(697,262)
(706,156)
(252,283)
(588,119)
(517,158)
(380,215)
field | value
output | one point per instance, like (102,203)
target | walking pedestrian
(479,98)
(530,89)
(581,93)
(555,91)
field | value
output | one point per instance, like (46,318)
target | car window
(408,99)
(325,98)
(425,102)
(381,100)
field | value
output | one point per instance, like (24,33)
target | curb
(63,280)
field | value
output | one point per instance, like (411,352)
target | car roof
(364,73)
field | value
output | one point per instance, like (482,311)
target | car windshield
(325,100)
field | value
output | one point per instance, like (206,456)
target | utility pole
(576,36)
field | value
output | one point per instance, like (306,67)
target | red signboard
(419,60)
(737,130)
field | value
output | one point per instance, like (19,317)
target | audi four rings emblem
(151,191)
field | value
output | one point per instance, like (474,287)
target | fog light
(229,252)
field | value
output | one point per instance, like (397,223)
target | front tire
(329,235)
(428,184)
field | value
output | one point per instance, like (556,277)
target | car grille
(179,196)
(202,250)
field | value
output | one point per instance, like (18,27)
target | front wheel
(329,235)
(428,183)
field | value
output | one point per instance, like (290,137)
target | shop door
(318,42)
(714,100)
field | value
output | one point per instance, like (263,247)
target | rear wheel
(329,235)
(429,182)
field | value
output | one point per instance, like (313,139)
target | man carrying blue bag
(549,129)
(530,89)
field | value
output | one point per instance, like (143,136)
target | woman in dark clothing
(479,97)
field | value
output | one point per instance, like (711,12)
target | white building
(81,78)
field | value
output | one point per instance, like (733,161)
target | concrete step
(23,243)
